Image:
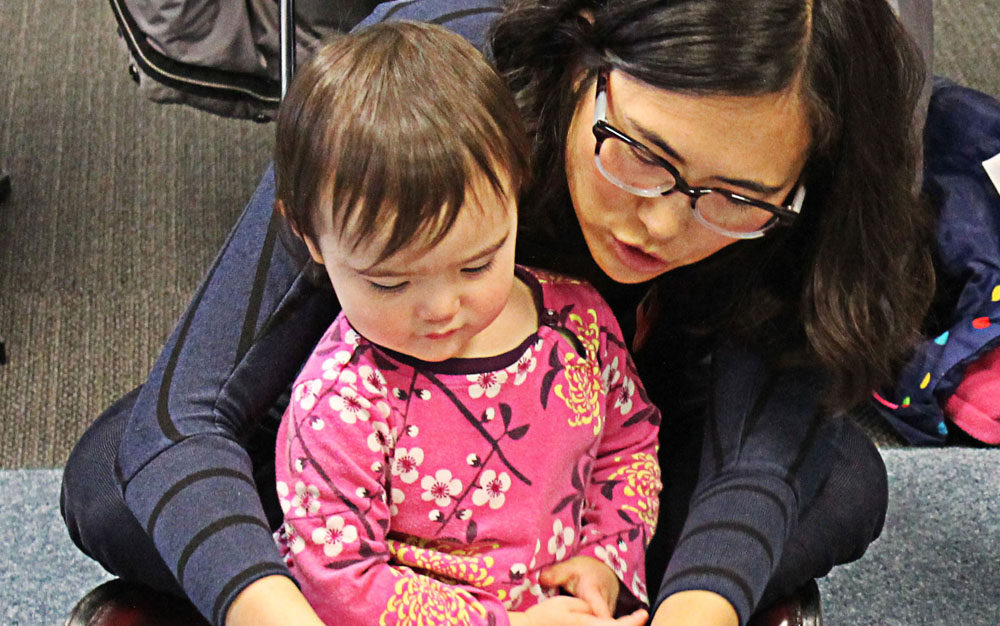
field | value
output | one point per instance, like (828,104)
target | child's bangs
(405,172)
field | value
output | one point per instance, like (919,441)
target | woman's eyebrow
(742,183)
(375,272)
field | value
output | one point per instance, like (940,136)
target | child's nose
(440,307)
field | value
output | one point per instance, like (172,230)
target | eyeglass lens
(633,170)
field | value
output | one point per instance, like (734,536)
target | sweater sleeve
(335,447)
(623,494)
(767,448)
(183,465)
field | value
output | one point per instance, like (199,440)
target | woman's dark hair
(845,287)
(387,130)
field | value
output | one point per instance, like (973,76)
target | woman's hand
(586,578)
(695,608)
(271,601)
(569,611)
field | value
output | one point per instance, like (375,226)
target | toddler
(469,437)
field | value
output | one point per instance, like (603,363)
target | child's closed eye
(479,269)
(379,287)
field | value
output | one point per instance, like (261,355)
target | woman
(744,170)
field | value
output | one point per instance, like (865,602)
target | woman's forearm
(695,608)
(271,601)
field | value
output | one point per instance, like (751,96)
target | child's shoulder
(340,348)
(559,290)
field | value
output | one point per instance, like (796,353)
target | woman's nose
(665,216)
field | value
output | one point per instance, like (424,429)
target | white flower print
(381,439)
(405,463)
(524,366)
(609,554)
(492,487)
(382,409)
(561,537)
(305,393)
(334,535)
(282,488)
(610,375)
(289,541)
(624,400)
(440,488)
(486,384)
(519,572)
(373,380)
(333,366)
(397,497)
(306,499)
(639,589)
(352,338)
(351,406)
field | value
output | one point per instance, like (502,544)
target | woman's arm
(767,449)
(182,463)
(695,608)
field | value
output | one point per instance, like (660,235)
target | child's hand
(586,578)
(569,611)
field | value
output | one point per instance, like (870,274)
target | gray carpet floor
(935,564)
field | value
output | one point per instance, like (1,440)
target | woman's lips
(636,258)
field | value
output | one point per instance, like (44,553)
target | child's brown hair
(388,128)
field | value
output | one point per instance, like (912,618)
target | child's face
(429,303)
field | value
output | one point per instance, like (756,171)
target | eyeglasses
(630,165)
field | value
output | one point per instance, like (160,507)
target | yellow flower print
(419,601)
(462,566)
(589,333)
(583,393)
(553,278)
(641,476)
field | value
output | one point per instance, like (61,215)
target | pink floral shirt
(434,493)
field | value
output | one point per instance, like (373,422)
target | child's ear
(313,250)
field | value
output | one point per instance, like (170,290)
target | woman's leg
(94,510)
(100,523)
(842,520)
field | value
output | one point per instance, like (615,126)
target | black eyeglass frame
(603,130)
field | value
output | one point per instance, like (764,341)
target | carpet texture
(119,206)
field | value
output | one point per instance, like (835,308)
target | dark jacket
(962,132)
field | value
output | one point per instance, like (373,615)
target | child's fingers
(638,618)
(561,574)
(592,595)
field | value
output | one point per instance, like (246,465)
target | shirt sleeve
(623,494)
(767,448)
(183,461)
(332,468)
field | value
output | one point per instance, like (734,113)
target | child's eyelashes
(398,287)
(479,269)
(388,288)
